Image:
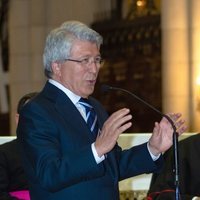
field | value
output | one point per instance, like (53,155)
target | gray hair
(59,42)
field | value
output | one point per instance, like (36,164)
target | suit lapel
(80,131)
(68,111)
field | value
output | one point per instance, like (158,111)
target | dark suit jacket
(162,185)
(12,176)
(56,149)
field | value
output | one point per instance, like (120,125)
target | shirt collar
(73,97)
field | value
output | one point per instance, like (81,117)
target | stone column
(27,32)
(175,57)
(194,35)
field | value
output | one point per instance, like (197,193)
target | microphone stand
(176,159)
(175,136)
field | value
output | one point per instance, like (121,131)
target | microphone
(106,88)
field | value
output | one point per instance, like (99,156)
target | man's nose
(93,66)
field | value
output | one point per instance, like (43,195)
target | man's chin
(90,89)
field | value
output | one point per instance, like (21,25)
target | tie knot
(84,100)
(86,103)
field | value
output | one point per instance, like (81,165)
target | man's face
(75,76)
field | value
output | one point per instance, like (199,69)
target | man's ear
(56,68)
(16,118)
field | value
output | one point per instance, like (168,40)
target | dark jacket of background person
(12,176)
(13,181)
(162,185)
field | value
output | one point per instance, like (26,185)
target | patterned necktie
(91,116)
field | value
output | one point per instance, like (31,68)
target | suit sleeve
(137,160)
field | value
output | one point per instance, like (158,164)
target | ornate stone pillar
(175,57)
(194,35)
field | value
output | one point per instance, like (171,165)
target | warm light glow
(141,3)
(198,81)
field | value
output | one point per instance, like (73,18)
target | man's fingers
(124,127)
(174,116)
(118,118)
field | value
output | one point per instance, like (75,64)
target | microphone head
(105,88)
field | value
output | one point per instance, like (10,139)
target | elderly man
(69,143)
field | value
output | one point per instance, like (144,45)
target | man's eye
(98,60)
(85,61)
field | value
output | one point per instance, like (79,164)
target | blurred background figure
(13,182)
(162,184)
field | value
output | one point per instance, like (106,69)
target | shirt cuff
(154,158)
(97,158)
